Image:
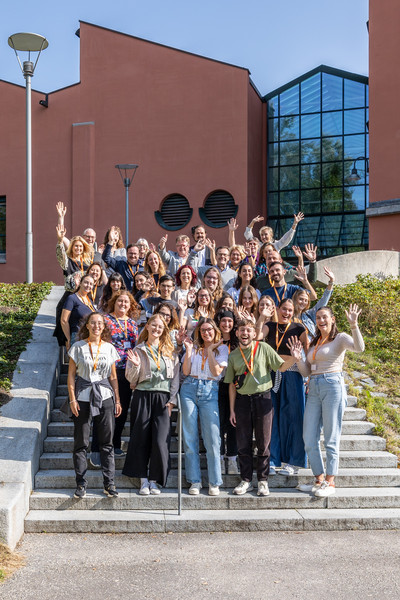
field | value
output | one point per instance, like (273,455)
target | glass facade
(317,128)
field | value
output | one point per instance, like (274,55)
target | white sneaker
(195,488)
(154,489)
(213,490)
(243,487)
(272,470)
(232,466)
(309,487)
(144,487)
(324,490)
(289,470)
(223,466)
(263,489)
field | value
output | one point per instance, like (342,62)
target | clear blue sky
(277,40)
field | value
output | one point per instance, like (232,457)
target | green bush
(19,304)
(379,321)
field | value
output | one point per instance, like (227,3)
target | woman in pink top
(327,396)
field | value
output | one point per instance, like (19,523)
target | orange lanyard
(278,341)
(283,294)
(156,360)
(130,268)
(87,302)
(155,282)
(94,294)
(121,328)
(97,355)
(80,260)
(318,344)
(250,366)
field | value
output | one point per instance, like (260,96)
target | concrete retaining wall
(23,421)
(380,263)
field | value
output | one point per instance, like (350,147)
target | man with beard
(249,377)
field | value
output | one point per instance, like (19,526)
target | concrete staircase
(367,495)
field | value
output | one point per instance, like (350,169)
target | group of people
(230,329)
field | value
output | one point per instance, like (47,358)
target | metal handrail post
(179,454)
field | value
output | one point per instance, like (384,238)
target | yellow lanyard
(154,279)
(97,355)
(253,351)
(87,302)
(158,359)
(278,341)
(318,344)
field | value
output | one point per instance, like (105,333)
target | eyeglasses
(212,278)
(203,296)
(165,315)
(210,330)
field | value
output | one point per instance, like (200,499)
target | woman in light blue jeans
(326,399)
(204,363)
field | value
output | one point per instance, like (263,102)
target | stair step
(348,428)
(368,477)
(152,521)
(347,442)
(348,459)
(167,500)
(60,398)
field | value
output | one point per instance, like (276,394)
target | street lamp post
(127,173)
(28,42)
(354,176)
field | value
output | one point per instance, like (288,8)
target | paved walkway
(236,566)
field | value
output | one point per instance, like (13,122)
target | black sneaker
(80,491)
(110,491)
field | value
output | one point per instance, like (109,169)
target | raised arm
(61,212)
(232,226)
(301,275)
(61,255)
(248,232)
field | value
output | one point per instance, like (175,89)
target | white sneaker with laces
(309,487)
(154,489)
(324,490)
(243,487)
(195,488)
(144,487)
(213,490)
(263,489)
(289,470)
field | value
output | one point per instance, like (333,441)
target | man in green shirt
(249,377)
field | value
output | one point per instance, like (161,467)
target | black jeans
(125,393)
(148,450)
(254,412)
(104,425)
(226,427)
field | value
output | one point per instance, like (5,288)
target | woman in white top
(326,399)
(203,365)
(93,395)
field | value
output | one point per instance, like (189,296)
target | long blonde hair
(166,346)
(88,251)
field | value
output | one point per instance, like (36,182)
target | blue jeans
(325,406)
(287,443)
(200,398)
